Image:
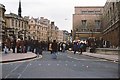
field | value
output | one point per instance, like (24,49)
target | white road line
(57,64)
(24,70)
(12,70)
(87,66)
(66,64)
(48,64)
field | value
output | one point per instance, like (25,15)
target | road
(67,65)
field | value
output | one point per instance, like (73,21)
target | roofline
(89,6)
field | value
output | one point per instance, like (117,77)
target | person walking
(38,48)
(75,47)
(80,47)
(64,47)
(13,43)
(50,47)
(54,49)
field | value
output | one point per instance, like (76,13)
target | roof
(89,6)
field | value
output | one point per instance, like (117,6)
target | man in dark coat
(14,44)
(54,49)
(38,47)
(54,46)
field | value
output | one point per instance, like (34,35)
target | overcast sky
(59,11)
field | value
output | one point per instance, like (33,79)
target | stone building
(111,31)
(16,26)
(33,29)
(87,22)
(2,24)
(44,23)
(60,36)
(38,28)
(65,36)
(53,32)
(2,21)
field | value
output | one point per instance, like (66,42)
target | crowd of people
(23,46)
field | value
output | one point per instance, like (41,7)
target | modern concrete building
(87,22)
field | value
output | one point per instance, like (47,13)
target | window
(84,23)
(0,14)
(113,6)
(12,22)
(19,23)
(90,12)
(16,23)
(84,12)
(97,24)
(22,25)
(29,26)
(97,12)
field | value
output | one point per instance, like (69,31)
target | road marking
(66,64)
(87,66)
(24,70)
(57,64)
(48,64)
(12,70)
(39,64)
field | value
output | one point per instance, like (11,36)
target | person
(38,48)
(22,45)
(50,47)
(75,47)
(5,49)
(54,49)
(18,45)
(13,44)
(64,47)
(80,47)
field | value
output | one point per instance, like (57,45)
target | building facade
(16,26)
(65,36)
(2,21)
(111,23)
(87,22)
(53,32)
(60,36)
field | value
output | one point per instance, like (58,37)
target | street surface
(67,65)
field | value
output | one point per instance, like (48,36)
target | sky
(59,11)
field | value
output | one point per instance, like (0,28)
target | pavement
(12,57)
